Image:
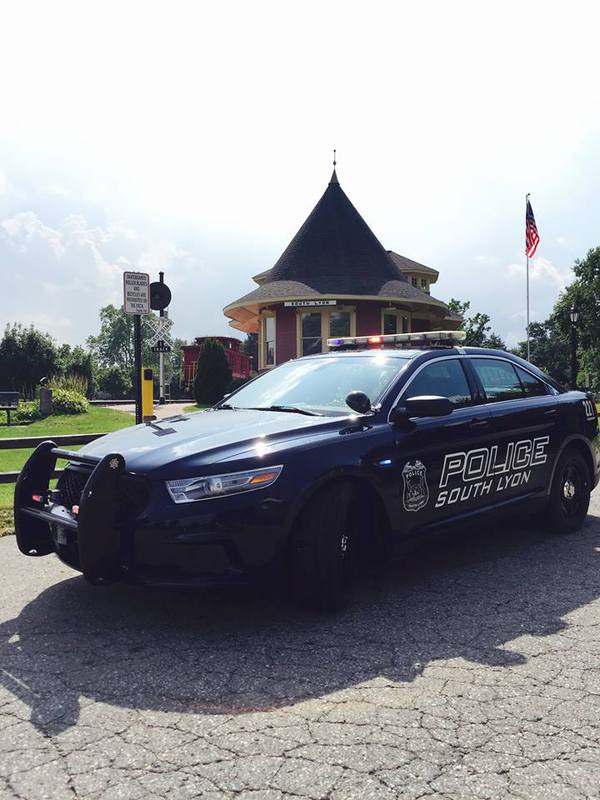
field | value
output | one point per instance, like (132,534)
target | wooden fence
(29,442)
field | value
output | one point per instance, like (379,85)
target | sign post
(136,301)
(160,297)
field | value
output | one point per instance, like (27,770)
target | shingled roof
(408,265)
(334,253)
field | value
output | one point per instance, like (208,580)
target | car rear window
(532,386)
(499,379)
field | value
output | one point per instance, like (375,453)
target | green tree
(115,381)
(213,375)
(477,327)
(549,348)
(26,355)
(584,293)
(75,361)
(113,346)
(250,347)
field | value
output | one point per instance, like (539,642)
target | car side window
(532,386)
(498,378)
(444,378)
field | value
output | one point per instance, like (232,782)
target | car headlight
(188,490)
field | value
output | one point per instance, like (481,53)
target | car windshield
(320,385)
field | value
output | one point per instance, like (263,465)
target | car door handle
(479,423)
(551,412)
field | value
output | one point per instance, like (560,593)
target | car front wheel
(323,548)
(570,493)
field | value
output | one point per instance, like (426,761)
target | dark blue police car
(316,466)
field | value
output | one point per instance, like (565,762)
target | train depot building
(336,279)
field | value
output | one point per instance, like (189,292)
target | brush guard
(97,528)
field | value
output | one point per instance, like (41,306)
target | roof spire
(334,176)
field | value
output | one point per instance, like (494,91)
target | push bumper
(96,525)
(231,542)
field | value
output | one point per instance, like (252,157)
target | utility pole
(160,297)
(161,355)
(137,369)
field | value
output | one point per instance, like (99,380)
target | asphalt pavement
(469,670)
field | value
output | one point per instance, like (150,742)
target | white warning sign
(136,292)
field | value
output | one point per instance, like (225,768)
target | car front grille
(133,495)
(71,484)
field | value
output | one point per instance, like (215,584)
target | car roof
(427,352)
(367,353)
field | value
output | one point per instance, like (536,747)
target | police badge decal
(416,492)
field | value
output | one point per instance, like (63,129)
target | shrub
(213,375)
(25,412)
(115,381)
(71,381)
(66,401)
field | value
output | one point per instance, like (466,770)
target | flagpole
(527,279)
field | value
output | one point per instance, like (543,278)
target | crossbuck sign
(161,334)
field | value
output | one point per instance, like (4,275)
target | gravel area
(469,670)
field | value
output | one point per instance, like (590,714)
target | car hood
(175,446)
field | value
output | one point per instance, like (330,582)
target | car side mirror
(425,406)
(359,402)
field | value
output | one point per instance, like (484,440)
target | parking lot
(469,670)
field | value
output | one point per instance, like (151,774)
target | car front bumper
(221,541)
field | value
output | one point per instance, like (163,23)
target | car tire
(322,556)
(570,493)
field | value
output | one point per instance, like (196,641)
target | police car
(315,466)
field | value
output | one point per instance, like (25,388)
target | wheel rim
(346,544)
(571,490)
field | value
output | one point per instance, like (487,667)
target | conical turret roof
(335,250)
(334,254)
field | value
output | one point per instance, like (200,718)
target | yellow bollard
(147,395)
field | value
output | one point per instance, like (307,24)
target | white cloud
(542,270)
(59,277)
(211,183)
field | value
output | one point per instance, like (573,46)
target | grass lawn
(194,407)
(97,420)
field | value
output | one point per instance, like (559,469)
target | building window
(414,282)
(394,322)
(268,341)
(312,341)
(315,327)
(340,324)
(424,284)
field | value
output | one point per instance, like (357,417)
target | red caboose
(239,363)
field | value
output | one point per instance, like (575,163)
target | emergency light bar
(407,341)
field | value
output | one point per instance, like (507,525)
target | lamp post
(574,316)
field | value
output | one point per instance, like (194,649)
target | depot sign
(303,303)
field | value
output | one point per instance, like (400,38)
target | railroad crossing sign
(160,341)
(136,292)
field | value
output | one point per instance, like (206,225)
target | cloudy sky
(196,137)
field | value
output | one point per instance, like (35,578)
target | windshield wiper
(291,409)
(228,406)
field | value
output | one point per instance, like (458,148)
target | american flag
(532,237)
